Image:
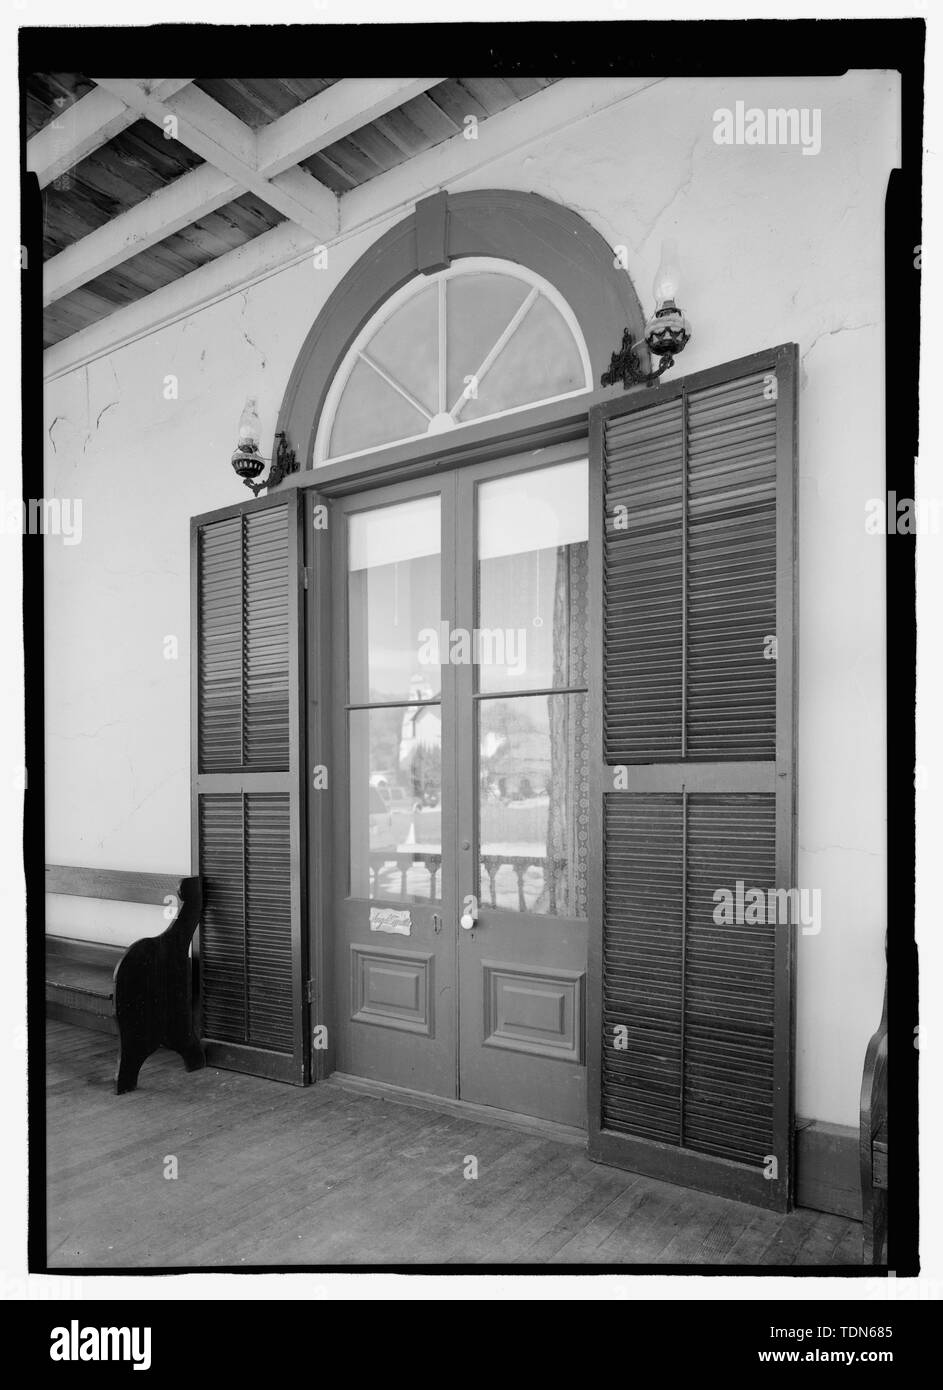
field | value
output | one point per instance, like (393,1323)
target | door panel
(523,787)
(394,961)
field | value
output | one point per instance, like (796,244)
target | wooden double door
(486,758)
(461,765)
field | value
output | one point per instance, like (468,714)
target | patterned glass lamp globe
(667,331)
(246,459)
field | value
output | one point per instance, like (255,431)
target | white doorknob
(468,921)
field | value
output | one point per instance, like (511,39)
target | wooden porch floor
(270,1174)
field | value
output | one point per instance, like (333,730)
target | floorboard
(270,1174)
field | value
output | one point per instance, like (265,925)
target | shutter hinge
(309,991)
(305,572)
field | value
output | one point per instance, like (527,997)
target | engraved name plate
(390,919)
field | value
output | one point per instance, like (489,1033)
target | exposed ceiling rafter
(350,104)
(212,132)
(558,107)
(238,160)
(84,127)
(165,212)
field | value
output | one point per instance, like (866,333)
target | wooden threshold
(446,1105)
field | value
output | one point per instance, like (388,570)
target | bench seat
(80,982)
(142,992)
(71,977)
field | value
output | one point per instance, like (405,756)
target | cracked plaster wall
(775,247)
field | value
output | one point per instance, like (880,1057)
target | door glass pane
(533,804)
(394,605)
(532,579)
(396,802)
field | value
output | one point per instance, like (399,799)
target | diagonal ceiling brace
(226,144)
(82,128)
(212,132)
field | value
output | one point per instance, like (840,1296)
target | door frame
(326,660)
(499,448)
(533,437)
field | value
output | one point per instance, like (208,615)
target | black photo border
(688,48)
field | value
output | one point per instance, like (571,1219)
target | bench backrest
(112,883)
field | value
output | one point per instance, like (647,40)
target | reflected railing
(412,874)
(418,874)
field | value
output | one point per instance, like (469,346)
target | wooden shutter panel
(248,784)
(693,534)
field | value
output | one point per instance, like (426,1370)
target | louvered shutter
(693,517)
(247,805)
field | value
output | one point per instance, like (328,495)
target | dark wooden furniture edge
(152,978)
(872,1141)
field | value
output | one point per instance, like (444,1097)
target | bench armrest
(153,991)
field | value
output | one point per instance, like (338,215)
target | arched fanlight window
(481,339)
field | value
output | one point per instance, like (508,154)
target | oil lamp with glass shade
(666,332)
(248,462)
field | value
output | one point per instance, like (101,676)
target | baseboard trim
(827,1177)
(465,1109)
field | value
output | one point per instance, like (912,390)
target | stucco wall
(776,246)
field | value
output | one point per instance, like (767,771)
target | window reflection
(533,804)
(532,579)
(396,802)
(393,598)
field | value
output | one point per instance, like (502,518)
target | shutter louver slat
(696,538)
(729,839)
(222,926)
(244,643)
(268,922)
(266,640)
(642,968)
(220,652)
(664,975)
(245,945)
(731,598)
(643,576)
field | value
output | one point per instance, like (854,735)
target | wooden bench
(873,1143)
(142,992)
